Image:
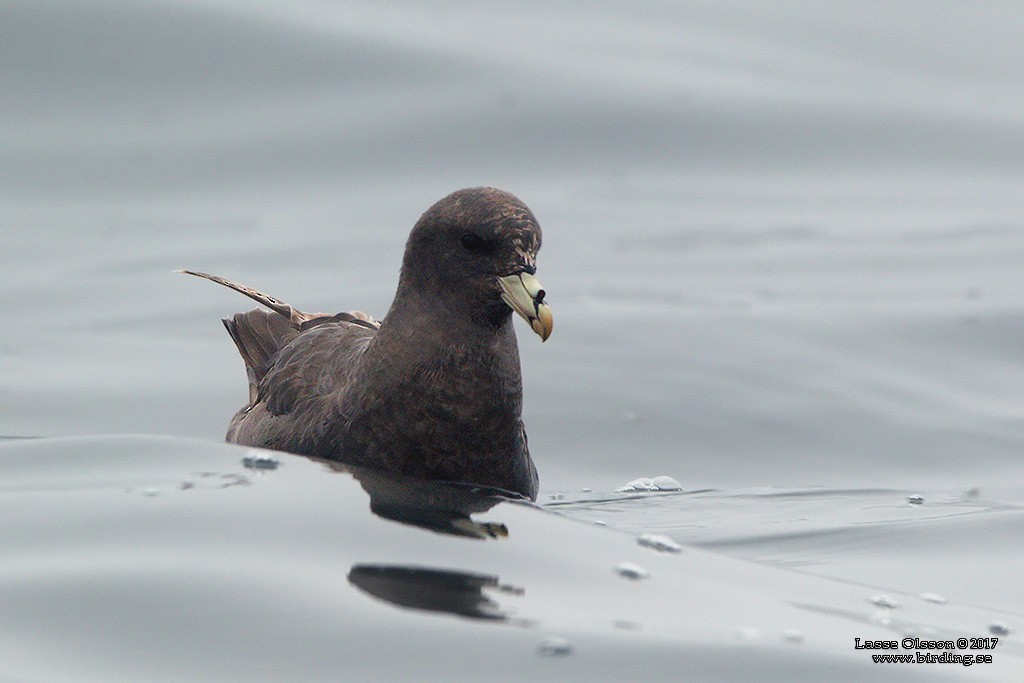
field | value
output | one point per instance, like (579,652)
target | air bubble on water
(933,597)
(641,484)
(792,635)
(658,542)
(885,604)
(915,499)
(665,483)
(883,600)
(260,462)
(999,628)
(659,483)
(553,646)
(628,570)
(882,616)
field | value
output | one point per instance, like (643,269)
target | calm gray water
(784,248)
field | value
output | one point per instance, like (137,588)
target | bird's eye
(472,242)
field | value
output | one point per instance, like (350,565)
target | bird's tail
(296,316)
(260,335)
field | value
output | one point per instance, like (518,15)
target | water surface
(783,246)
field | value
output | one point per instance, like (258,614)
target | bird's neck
(451,351)
(431,401)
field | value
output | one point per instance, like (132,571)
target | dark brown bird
(433,390)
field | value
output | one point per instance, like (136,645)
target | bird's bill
(525,295)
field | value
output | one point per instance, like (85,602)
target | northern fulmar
(433,390)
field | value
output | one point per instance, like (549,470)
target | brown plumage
(433,390)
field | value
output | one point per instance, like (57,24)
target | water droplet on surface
(552,646)
(999,628)
(628,570)
(882,600)
(658,542)
(915,499)
(933,597)
(792,635)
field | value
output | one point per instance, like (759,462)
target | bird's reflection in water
(442,508)
(434,590)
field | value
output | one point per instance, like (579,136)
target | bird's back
(297,376)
